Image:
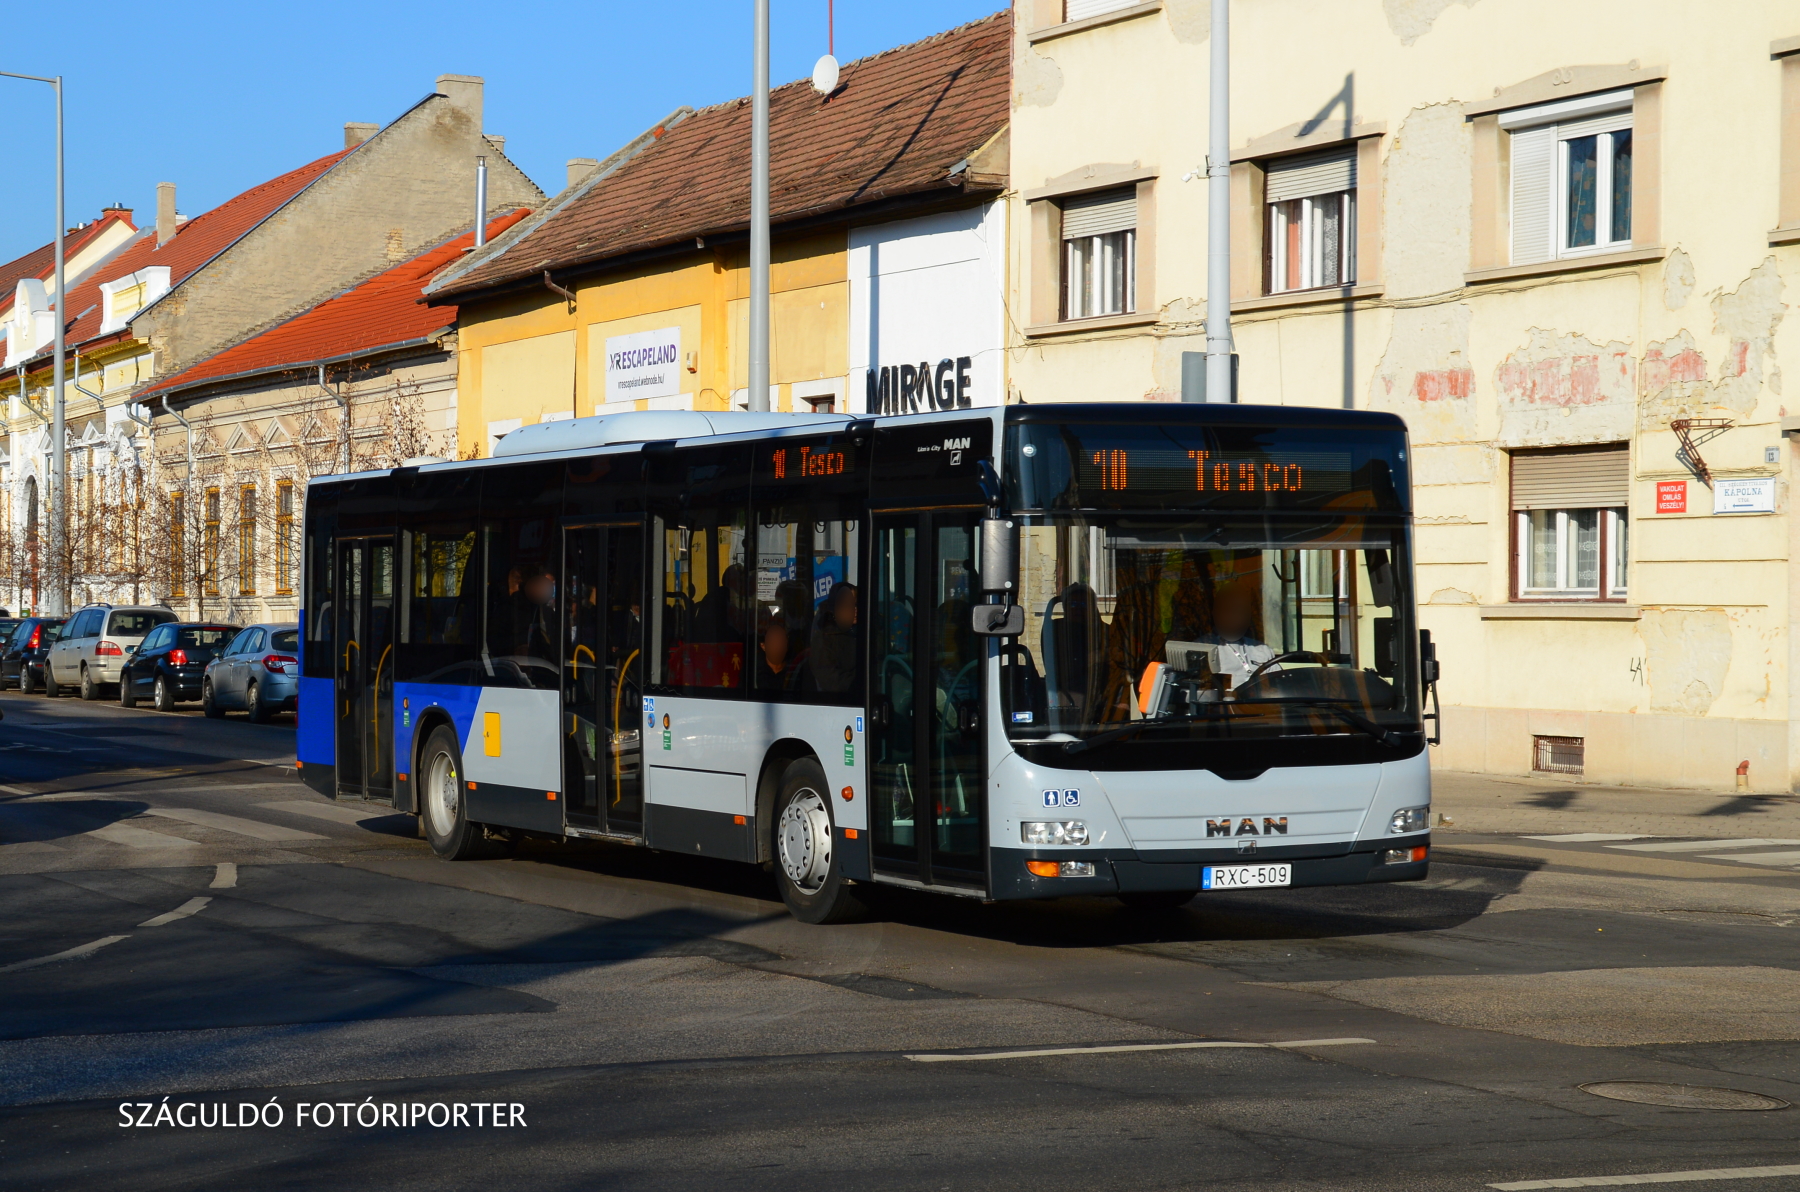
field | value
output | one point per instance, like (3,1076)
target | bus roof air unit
(646,426)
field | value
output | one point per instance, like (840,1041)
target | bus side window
(321,569)
(521,550)
(706,593)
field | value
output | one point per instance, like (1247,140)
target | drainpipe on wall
(344,407)
(187,502)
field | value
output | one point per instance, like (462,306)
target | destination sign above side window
(1147,467)
(785,461)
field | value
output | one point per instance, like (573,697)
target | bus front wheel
(442,806)
(808,868)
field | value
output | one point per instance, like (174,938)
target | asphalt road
(184,920)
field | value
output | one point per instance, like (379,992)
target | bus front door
(928,813)
(365,668)
(602,698)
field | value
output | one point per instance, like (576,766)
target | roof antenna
(825,71)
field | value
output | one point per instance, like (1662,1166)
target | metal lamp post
(1218,212)
(59,596)
(759,212)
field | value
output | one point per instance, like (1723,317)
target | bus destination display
(807,462)
(1210,472)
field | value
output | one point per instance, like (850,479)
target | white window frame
(1599,115)
(1312,243)
(1611,568)
(1098,264)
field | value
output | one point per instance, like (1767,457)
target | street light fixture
(59,596)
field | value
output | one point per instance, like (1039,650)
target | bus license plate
(1242,877)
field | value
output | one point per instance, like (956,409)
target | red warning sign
(1671,496)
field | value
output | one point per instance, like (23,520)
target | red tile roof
(897,124)
(383,312)
(41,262)
(195,242)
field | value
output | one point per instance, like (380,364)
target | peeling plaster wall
(1694,673)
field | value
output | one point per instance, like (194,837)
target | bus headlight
(1410,819)
(1065,832)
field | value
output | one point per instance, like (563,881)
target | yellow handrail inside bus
(618,763)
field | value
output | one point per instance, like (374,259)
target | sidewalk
(1487,803)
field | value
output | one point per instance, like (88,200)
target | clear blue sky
(219,97)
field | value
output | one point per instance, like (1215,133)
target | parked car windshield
(286,641)
(204,637)
(137,624)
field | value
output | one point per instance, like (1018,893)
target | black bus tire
(443,801)
(808,868)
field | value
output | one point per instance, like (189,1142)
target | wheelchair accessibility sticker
(1062,798)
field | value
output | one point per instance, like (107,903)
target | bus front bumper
(1118,872)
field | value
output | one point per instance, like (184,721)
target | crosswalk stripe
(338,812)
(1773,860)
(1589,837)
(1653,1177)
(1700,846)
(233,823)
(132,837)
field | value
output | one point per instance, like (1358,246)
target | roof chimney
(580,167)
(356,134)
(118,209)
(165,213)
(463,91)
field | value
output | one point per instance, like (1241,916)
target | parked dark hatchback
(169,663)
(22,657)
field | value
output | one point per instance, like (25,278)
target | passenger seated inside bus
(833,656)
(775,669)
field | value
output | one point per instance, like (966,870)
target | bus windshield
(1211,627)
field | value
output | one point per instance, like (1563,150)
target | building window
(1558,755)
(210,545)
(1311,221)
(1571,177)
(1099,272)
(1571,524)
(1078,10)
(284,538)
(247,540)
(177,538)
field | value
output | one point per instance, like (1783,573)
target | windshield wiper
(1135,727)
(1385,736)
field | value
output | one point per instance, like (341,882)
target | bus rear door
(364,668)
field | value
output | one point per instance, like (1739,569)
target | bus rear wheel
(442,805)
(807,866)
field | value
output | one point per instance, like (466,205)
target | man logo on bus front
(1272,825)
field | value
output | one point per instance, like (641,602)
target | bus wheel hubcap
(806,842)
(443,794)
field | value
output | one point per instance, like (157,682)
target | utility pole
(1218,212)
(59,576)
(759,212)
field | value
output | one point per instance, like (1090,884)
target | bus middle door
(364,668)
(602,660)
(929,814)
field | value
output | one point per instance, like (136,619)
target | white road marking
(1655,1177)
(1590,837)
(940,1057)
(132,837)
(1700,846)
(13,790)
(339,812)
(225,876)
(1773,860)
(192,906)
(233,823)
(81,953)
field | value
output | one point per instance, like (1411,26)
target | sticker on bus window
(1021,717)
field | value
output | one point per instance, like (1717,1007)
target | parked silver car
(258,671)
(95,643)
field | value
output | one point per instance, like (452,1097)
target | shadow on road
(1553,800)
(1749,805)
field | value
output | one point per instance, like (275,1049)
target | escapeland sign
(911,388)
(643,364)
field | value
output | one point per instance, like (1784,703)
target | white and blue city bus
(1024,652)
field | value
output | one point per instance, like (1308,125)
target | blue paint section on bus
(313,743)
(413,700)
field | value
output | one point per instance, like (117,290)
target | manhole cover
(1681,1096)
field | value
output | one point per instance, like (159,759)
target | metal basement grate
(1680,1096)
(1558,755)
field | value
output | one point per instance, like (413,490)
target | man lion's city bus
(1140,651)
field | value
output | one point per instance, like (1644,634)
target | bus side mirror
(1428,660)
(999,620)
(999,555)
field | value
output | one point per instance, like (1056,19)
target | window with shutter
(1571,177)
(1077,10)
(1570,523)
(1311,224)
(1099,272)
